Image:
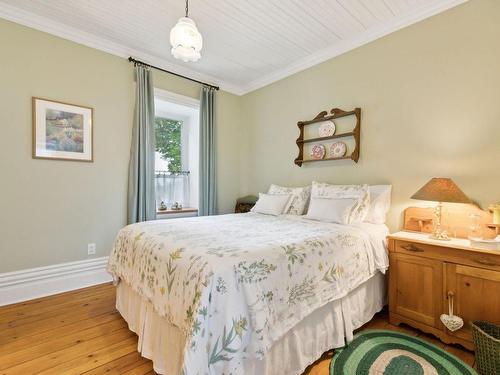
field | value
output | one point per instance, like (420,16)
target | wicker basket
(487,341)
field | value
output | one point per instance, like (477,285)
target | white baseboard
(38,282)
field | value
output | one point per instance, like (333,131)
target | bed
(246,293)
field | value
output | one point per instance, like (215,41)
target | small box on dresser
(424,272)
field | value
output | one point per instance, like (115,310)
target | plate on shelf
(338,149)
(318,152)
(327,129)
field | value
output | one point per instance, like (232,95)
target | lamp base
(440,235)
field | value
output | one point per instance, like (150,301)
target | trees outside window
(168,142)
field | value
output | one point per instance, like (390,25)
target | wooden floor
(81,332)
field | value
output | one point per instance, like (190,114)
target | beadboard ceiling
(247,44)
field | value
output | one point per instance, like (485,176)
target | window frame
(189,115)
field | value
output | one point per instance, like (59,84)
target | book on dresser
(425,274)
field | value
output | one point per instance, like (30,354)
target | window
(168,144)
(176,156)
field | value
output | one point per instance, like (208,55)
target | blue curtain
(141,178)
(208,186)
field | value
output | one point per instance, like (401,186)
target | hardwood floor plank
(58,343)
(81,332)
(140,370)
(15,315)
(464,355)
(433,340)
(403,329)
(58,331)
(59,320)
(95,359)
(119,365)
(55,299)
(86,348)
(46,312)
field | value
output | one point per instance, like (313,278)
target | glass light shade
(186,40)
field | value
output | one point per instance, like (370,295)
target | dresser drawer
(459,256)
(423,250)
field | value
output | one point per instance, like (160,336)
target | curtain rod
(131,59)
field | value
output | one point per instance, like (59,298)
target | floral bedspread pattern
(234,284)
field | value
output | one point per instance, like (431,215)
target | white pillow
(271,204)
(359,192)
(380,202)
(331,210)
(299,198)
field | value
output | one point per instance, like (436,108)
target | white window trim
(172,97)
(193,104)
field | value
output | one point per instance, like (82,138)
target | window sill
(171,212)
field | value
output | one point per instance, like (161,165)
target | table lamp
(440,190)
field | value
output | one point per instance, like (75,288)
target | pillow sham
(271,204)
(359,192)
(380,203)
(299,198)
(331,210)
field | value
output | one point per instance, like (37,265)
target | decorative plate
(327,129)
(338,149)
(318,152)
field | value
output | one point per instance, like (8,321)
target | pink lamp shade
(441,190)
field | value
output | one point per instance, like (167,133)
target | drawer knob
(486,262)
(412,247)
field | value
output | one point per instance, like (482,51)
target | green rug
(394,353)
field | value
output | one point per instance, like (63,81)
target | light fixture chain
(187,8)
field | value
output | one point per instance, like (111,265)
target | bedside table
(245,204)
(424,273)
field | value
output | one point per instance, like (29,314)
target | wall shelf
(309,160)
(322,117)
(349,134)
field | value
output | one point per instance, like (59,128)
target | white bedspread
(234,284)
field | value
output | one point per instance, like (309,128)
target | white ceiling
(247,44)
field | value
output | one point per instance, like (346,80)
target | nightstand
(245,204)
(424,273)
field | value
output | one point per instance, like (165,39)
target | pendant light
(185,39)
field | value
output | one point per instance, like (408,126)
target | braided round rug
(393,353)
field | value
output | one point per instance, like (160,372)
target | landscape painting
(64,131)
(61,131)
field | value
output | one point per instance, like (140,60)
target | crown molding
(353,43)
(32,20)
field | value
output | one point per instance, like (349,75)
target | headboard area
(457,219)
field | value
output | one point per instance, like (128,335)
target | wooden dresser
(424,273)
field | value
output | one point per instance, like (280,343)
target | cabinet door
(476,296)
(415,288)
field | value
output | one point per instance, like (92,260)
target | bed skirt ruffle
(326,328)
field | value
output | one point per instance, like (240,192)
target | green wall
(430,99)
(50,210)
(429,95)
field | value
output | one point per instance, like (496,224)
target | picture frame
(62,131)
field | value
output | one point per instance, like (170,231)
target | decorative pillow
(299,198)
(359,192)
(380,202)
(332,210)
(271,204)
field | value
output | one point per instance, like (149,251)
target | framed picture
(62,131)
